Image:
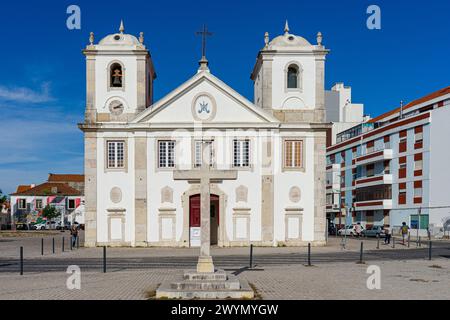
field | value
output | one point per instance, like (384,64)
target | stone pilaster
(141,84)
(90,173)
(140,202)
(267,188)
(319,186)
(266,74)
(267,212)
(320,89)
(90,114)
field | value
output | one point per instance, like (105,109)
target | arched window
(292,77)
(116,75)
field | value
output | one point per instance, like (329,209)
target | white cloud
(27,95)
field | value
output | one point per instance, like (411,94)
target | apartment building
(394,168)
(341,111)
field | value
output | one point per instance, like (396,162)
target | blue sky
(42,86)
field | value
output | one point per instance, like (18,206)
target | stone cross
(204,176)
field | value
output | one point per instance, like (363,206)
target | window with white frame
(166,154)
(329,177)
(71,204)
(241,153)
(38,204)
(293,150)
(22,204)
(200,146)
(293,77)
(418,164)
(116,154)
(330,199)
(418,137)
(417,192)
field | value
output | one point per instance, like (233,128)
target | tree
(2,198)
(50,212)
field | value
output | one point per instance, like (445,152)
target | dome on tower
(120,39)
(288,40)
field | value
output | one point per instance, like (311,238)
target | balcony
(386,154)
(333,182)
(332,208)
(373,181)
(373,205)
(333,167)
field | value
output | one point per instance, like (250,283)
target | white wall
(103,96)
(439,170)
(307,95)
(228,110)
(106,180)
(284,181)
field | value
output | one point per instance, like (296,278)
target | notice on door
(195,236)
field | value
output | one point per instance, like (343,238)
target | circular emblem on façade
(204,107)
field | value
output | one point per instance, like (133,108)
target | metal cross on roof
(204,33)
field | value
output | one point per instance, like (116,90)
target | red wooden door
(194,214)
(194,207)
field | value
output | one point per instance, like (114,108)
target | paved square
(280,273)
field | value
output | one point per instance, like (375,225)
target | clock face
(204,108)
(116,107)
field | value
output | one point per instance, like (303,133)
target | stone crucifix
(204,176)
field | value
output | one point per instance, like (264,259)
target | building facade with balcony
(394,168)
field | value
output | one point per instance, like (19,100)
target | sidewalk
(9,248)
(400,280)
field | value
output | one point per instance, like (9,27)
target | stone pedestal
(205,264)
(201,285)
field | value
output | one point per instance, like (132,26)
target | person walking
(387,234)
(358,229)
(404,230)
(74,234)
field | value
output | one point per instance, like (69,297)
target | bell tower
(289,78)
(119,77)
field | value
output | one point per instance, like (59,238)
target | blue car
(374,231)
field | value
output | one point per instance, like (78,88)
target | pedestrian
(358,229)
(404,230)
(387,234)
(74,234)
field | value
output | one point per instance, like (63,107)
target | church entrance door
(194,220)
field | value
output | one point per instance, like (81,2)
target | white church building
(276,144)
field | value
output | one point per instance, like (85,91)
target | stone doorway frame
(222,238)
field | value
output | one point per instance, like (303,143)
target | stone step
(205,285)
(219,275)
(166,292)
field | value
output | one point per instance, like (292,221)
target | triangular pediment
(207,99)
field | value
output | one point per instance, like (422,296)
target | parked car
(349,230)
(40,226)
(51,225)
(375,231)
(60,226)
(22,226)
